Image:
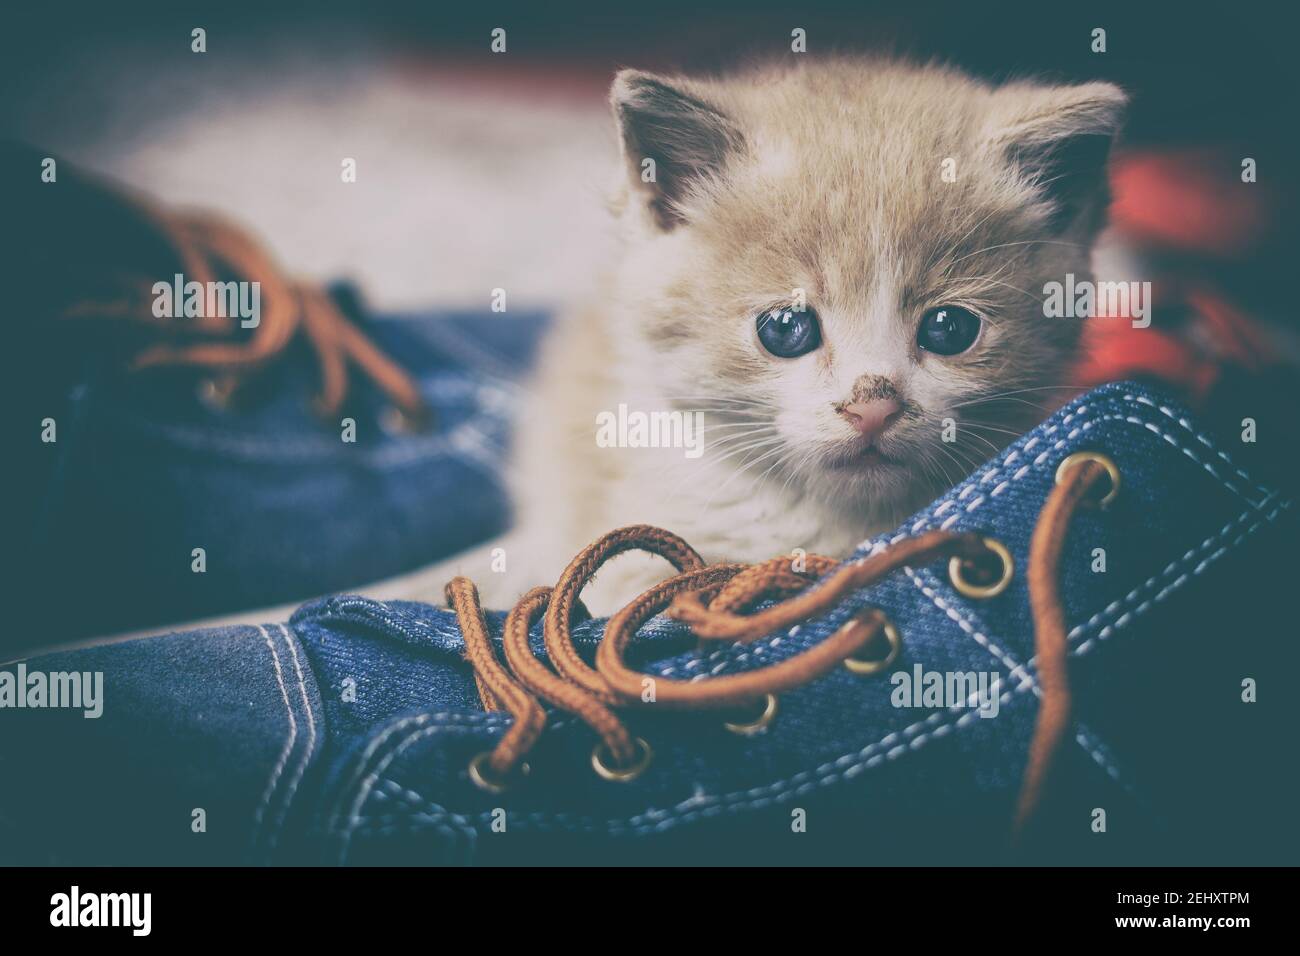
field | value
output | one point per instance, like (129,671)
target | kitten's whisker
(1026,242)
(988,399)
(947,479)
(746,466)
(748,440)
(730,442)
(974,433)
(721,400)
(794,469)
(714,442)
(732,452)
(996,282)
(956,245)
(1013,395)
(993,428)
(934,473)
(756,444)
(964,465)
(724,409)
(728,430)
(1038,407)
(979,437)
(1016,391)
(761,478)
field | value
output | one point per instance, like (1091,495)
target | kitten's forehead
(851,104)
(852,168)
(846,224)
(854,121)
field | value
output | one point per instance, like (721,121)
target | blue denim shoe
(146,470)
(1078,657)
(181,467)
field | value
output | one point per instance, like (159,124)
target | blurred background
(478,170)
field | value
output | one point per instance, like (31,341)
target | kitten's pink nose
(872,417)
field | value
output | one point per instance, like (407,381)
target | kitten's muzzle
(870,418)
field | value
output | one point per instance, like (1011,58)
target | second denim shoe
(180,465)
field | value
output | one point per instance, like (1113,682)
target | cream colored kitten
(838,266)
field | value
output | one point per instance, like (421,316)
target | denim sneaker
(1076,655)
(184,467)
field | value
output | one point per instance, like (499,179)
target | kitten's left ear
(1058,138)
(672,140)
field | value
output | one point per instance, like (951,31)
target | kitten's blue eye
(788,333)
(948,330)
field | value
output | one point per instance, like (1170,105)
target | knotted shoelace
(717,601)
(206,248)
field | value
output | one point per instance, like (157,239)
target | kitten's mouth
(860,455)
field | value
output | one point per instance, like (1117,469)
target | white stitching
(1014,668)
(1187,426)
(359,773)
(288,745)
(1091,743)
(274,835)
(419,808)
(1082,413)
(1171,568)
(368,782)
(923,523)
(446,718)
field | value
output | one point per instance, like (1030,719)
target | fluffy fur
(827,178)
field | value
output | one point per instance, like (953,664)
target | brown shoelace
(716,601)
(206,248)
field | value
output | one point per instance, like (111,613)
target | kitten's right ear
(1059,138)
(671,141)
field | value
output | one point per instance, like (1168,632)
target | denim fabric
(144,472)
(220,721)
(364,761)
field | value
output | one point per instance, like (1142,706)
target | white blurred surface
(462,185)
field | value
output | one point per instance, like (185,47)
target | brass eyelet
(866,666)
(485,779)
(747,728)
(621,774)
(1112,471)
(957,572)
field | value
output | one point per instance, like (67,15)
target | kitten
(831,264)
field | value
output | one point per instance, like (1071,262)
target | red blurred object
(1114,350)
(1184,211)
(1192,200)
